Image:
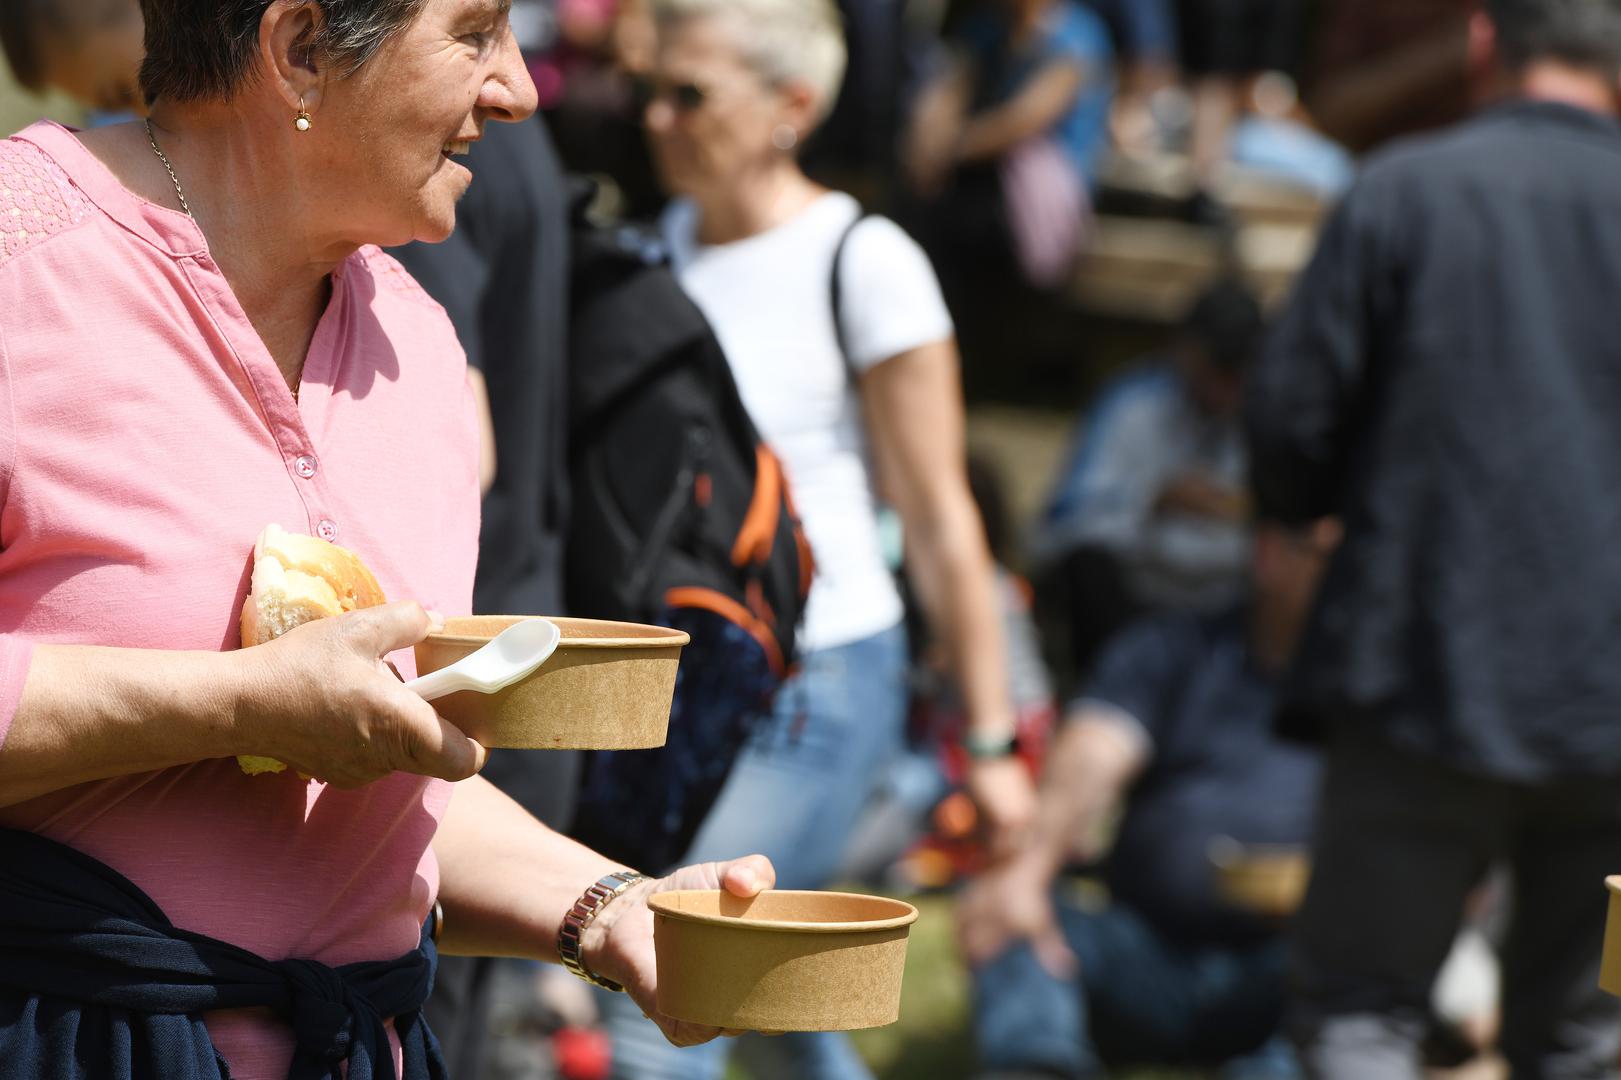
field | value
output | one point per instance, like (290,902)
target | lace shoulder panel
(37,200)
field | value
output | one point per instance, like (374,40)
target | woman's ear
(803,108)
(287,52)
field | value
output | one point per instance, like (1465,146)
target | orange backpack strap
(693,596)
(759,530)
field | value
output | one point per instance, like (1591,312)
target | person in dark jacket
(1447,379)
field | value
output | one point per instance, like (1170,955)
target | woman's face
(388,136)
(710,116)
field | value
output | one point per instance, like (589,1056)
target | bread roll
(297,579)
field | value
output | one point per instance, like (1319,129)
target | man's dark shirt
(1448,378)
(503,278)
(1216,769)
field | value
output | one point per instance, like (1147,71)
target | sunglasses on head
(683,96)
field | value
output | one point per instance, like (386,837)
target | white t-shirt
(769,299)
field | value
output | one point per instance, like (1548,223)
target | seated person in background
(1151,511)
(90,50)
(1177,727)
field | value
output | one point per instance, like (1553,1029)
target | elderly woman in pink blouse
(198,336)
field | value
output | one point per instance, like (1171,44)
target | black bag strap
(836,294)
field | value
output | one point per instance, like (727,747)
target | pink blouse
(146,436)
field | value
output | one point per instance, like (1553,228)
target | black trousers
(1400,843)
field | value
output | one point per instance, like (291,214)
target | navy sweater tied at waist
(97,984)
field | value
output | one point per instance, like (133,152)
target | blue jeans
(795,795)
(1139,998)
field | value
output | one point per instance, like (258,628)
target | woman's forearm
(506,880)
(913,405)
(93,713)
(956,581)
(318,698)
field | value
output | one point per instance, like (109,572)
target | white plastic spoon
(506,658)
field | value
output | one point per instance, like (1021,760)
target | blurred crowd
(1124,729)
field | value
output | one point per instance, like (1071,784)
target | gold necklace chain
(153,139)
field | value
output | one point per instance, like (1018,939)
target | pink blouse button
(305,466)
(327,530)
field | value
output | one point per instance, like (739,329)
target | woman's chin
(437,217)
(436,229)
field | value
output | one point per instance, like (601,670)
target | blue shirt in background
(1069,33)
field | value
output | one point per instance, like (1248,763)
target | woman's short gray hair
(199,49)
(782,40)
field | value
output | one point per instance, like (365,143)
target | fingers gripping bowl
(607,687)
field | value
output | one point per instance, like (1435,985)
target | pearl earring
(784,138)
(303,121)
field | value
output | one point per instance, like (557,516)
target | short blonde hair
(782,40)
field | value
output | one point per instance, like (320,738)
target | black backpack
(681,517)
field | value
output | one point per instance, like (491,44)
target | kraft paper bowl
(1263,879)
(782,961)
(1609,975)
(607,687)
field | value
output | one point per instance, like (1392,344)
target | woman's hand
(618,945)
(1006,797)
(929,156)
(322,699)
(929,148)
(1009,904)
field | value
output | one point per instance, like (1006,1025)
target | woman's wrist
(245,700)
(990,745)
(596,951)
(191,701)
(990,727)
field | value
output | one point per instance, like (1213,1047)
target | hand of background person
(1009,904)
(1202,495)
(618,945)
(928,158)
(1006,797)
(323,699)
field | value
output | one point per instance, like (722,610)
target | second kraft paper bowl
(781,961)
(607,687)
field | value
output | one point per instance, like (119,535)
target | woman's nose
(509,93)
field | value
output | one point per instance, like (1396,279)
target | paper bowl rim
(660,903)
(666,638)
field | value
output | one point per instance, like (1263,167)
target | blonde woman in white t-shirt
(737,87)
